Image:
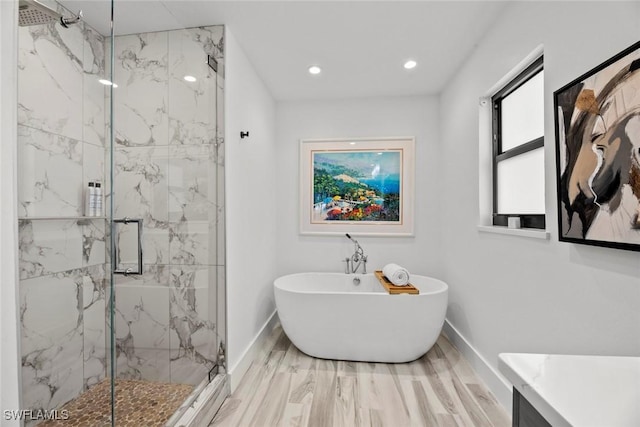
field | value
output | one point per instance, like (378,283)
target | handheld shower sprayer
(358,256)
(359,250)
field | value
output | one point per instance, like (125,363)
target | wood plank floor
(285,387)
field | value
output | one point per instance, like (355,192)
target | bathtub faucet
(357,259)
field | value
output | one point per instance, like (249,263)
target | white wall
(9,355)
(369,117)
(251,204)
(514,294)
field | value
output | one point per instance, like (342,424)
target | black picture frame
(597,131)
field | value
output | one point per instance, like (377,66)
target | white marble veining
(140,363)
(140,104)
(93,161)
(94,242)
(192,183)
(166,331)
(94,92)
(54,246)
(51,311)
(577,390)
(94,326)
(140,187)
(193,323)
(140,191)
(192,242)
(50,174)
(142,325)
(192,107)
(189,369)
(51,75)
(49,247)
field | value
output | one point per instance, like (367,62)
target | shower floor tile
(138,403)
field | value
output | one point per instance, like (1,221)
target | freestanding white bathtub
(327,315)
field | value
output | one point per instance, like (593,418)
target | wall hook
(244,134)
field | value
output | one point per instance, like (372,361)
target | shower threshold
(138,403)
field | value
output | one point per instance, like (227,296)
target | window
(518,149)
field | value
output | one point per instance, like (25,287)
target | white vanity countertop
(578,391)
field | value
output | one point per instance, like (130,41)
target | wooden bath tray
(393,289)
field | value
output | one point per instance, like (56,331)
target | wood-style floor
(285,387)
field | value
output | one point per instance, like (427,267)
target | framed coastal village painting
(363,186)
(597,119)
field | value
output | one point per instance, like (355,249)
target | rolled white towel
(397,275)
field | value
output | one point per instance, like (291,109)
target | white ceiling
(360,45)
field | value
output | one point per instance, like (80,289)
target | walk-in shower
(122,308)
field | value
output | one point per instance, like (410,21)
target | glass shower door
(166,202)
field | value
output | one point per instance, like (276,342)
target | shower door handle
(119,265)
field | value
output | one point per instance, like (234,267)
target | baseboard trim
(498,384)
(236,373)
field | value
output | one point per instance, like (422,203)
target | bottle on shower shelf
(89,199)
(98,200)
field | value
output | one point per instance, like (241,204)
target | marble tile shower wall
(61,140)
(168,166)
(169,169)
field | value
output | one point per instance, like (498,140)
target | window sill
(522,232)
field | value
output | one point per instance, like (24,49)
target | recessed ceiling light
(107,82)
(314,69)
(410,64)
(189,79)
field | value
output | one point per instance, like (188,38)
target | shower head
(32,12)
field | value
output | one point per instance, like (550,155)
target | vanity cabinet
(565,390)
(524,414)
